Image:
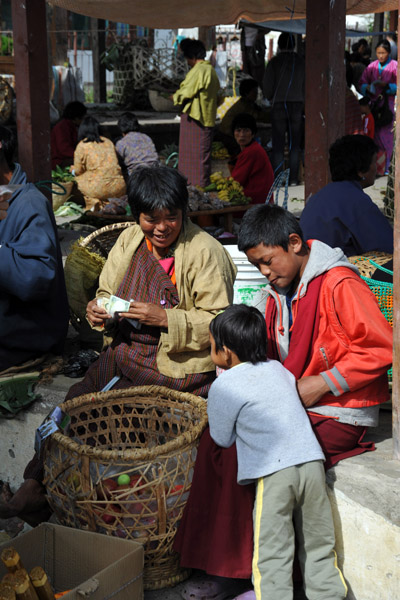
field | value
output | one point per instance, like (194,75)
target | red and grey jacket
(352,344)
(353,350)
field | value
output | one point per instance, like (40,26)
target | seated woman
(341,214)
(98,174)
(64,135)
(252,169)
(163,266)
(134,148)
(248,90)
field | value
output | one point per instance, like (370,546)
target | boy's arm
(222,415)
(368,337)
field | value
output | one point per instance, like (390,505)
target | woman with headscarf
(379,82)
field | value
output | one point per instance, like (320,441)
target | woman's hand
(97,315)
(147,313)
(311,389)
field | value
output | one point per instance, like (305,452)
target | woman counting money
(165,264)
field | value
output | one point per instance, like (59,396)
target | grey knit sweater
(257,406)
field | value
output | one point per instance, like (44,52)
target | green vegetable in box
(228,189)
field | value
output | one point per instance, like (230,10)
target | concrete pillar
(32,87)
(396,290)
(325,87)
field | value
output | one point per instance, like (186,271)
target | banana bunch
(219,152)
(228,189)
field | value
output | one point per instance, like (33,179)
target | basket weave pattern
(150,433)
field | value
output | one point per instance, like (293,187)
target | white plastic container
(248,279)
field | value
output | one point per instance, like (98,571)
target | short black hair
(74,110)
(89,130)
(128,122)
(193,49)
(244,120)
(242,329)
(8,145)
(246,86)
(364,101)
(286,41)
(267,224)
(156,188)
(384,44)
(351,155)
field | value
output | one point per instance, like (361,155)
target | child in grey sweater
(255,404)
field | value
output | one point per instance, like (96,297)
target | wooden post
(32,88)
(378,26)
(98,27)
(396,293)
(325,87)
(393,19)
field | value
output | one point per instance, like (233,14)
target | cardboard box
(91,565)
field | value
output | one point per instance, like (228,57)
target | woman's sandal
(210,588)
(249,595)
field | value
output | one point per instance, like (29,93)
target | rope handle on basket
(173,155)
(43,184)
(380,267)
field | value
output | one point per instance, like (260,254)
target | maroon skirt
(216,531)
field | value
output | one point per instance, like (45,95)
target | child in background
(367,117)
(255,404)
(134,148)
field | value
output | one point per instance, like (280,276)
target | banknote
(113,304)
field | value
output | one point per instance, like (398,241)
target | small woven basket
(148,433)
(383,290)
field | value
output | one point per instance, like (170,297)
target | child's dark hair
(156,188)
(89,130)
(268,225)
(242,329)
(244,121)
(128,122)
(364,101)
(247,85)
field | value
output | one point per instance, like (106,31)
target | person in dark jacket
(341,214)
(33,301)
(283,86)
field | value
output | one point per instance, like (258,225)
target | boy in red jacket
(325,326)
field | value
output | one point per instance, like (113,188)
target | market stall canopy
(164,14)
(298,26)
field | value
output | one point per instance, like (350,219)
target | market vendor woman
(197,97)
(163,266)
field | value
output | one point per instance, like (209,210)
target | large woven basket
(150,433)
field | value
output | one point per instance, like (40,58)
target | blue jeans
(287,117)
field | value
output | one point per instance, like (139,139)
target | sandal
(209,588)
(249,595)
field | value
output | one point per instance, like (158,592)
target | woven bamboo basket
(383,291)
(149,433)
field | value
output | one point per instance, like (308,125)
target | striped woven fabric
(133,353)
(195,146)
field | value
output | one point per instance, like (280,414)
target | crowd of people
(304,371)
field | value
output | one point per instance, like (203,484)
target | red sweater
(64,137)
(254,172)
